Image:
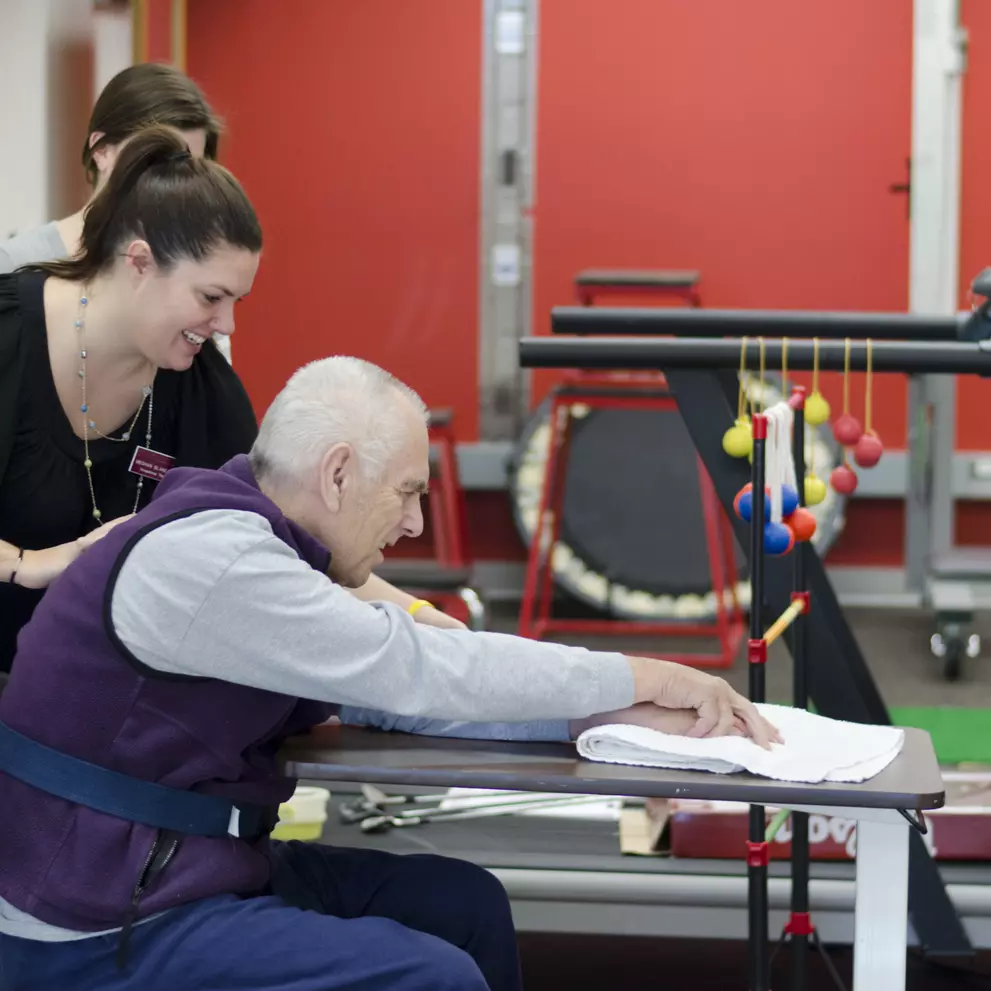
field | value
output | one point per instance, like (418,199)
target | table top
(637,277)
(344,753)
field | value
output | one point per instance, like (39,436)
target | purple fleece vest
(73,688)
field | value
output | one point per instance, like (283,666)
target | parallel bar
(694,352)
(753,323)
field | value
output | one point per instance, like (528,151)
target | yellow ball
(816,409)
(737,442)
(815,490)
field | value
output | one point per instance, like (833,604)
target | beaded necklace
(147,393)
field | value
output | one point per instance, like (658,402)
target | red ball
(868,450)
(844,480)
(847,430)
(802,523)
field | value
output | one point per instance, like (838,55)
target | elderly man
(152,689)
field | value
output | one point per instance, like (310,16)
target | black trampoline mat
(633,506)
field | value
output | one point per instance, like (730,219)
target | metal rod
(685,322)
(666,353)
(756,865)
(783,622)
(799,941)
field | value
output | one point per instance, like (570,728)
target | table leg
(881,910)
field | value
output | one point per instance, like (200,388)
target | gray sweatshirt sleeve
(217,595)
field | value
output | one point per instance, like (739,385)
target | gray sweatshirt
(220,596)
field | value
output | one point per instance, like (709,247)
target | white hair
(332,401)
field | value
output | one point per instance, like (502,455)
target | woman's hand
(430,616)
(39,569)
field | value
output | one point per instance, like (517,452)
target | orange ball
(802,523)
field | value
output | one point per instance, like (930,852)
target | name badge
(151,464)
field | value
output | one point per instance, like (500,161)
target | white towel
(816,748)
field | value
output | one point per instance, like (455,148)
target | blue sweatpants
(360,920)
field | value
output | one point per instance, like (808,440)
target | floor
(554,962)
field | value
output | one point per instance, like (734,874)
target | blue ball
(789,500)
(746,506)
(777,538)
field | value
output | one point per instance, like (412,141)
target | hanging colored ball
(844,480)
(738,441)
(847,430)
(736,502)
(789,500)
(778,538)
(802,523)
(867,451)
(744,504)
(816,409)
(815,490)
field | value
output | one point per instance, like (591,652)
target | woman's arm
(379,590)
(38,569)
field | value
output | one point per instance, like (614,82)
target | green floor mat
(959,735)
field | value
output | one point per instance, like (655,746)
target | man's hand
(678,686)
(430,616)
(40,568)
(678,722)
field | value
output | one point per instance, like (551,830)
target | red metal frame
(625,391)
(447,501)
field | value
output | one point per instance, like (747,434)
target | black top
(202,417)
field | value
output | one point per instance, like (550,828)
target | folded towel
(816,748)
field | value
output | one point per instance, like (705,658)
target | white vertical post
(881,907)
(938,63)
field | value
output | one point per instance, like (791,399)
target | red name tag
(151,464)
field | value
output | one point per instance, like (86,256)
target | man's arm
(217,595)
(542,730)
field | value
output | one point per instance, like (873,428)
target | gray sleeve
(218,595)
(41,244)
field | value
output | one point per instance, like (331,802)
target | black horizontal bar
(685,322)
(926,357)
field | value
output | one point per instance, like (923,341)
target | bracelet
(414,607)
(17,564)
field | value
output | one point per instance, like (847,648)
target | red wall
(758,146)
(354,128)
(974,394)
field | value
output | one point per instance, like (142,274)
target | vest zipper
(162,851)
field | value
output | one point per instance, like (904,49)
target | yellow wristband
(414,607)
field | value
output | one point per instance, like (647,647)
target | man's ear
(139,260)
(337,469)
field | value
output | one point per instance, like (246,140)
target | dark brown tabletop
(341,753)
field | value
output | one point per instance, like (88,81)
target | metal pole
(799,922)
(702,353)
(684,322)
(757,847)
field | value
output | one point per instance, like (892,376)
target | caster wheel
(951,649)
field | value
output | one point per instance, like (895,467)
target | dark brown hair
(146,94)
(182,206)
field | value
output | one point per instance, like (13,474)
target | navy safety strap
(126,797)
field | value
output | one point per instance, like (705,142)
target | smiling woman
(107,373)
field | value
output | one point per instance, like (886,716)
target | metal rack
(950,580)
(701,374)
